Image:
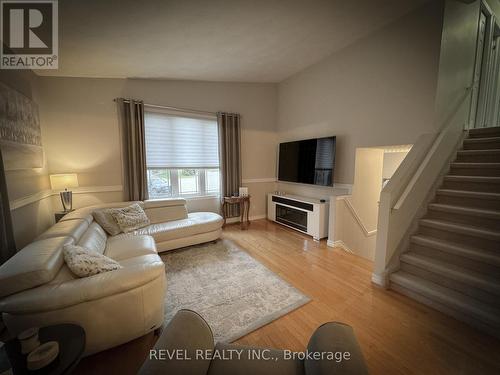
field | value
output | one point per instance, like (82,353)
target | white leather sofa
(38,289)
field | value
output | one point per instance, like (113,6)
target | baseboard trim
(381,280)
(33,198)
(340,244)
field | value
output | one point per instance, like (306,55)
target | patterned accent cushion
(83,262)
(106,220)
(130,218)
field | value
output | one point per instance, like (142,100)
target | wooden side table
(244,202)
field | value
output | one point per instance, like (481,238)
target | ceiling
(212,40)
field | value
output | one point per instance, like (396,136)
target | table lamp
(64,181)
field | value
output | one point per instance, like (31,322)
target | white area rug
(230,289)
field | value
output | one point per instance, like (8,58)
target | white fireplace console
(307,215)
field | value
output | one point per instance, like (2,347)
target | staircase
(453,262)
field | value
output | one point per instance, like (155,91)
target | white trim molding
(96,189)
(381,280)
(29,199)
(348,187)
(347,201)
(340,244)
(36,197)
(258,180)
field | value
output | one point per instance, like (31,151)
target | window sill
(200,197)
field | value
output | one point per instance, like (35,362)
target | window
(182,155)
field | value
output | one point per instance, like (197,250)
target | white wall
(81,132)
(367,185)
(377,91)
(392,160)
(353,219)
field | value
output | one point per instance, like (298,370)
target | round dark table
(71,339)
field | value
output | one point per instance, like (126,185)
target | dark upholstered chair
(188,335)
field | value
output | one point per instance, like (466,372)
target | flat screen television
(310,161)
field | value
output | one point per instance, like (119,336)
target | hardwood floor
(397,334)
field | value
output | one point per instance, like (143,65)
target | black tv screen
(310,161)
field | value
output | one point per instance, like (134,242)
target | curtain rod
(174,108)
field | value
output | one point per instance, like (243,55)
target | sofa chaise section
(38,289)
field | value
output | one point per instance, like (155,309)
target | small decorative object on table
(243,192)
(60,351)
(244,202)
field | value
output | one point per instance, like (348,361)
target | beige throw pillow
(106,220)
(130,218)
(84,262)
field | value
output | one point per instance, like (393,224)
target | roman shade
(181,141)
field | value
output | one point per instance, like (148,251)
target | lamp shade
(63,181)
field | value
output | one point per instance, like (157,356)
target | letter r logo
(27,26)
(29,34)
(17,28)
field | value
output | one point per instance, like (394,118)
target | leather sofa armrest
(56,296)
(338,339)
(189,332)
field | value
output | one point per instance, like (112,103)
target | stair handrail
(445,125)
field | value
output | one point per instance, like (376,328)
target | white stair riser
(489,187)
(476,171)
(460,238)
(491,204)
(488,269)
(448,310)
(473,291)
(478,221)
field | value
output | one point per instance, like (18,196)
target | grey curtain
(131,116)
(230,157)
(7,243)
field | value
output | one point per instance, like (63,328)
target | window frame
(174,177)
